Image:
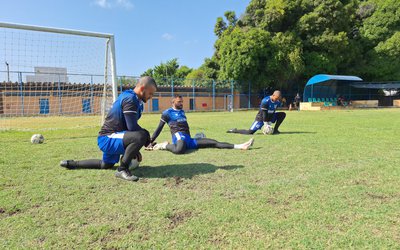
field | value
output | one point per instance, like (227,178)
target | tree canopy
(280,43)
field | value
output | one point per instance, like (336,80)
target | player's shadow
(292,133)
(180,170)
(297,132)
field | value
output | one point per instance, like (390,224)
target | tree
(282,42)
(220,27)
(171,69)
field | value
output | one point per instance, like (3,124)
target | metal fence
(30,93)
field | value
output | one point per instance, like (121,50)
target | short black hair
(147,81)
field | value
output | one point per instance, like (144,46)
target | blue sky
(146,32)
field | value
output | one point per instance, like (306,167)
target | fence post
(91,94)
(59,95)
(194,100)
(172,87)
(21,92)
(213,95)
(249,106)
(120,84)
(232,97)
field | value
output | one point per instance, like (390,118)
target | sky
(147,32)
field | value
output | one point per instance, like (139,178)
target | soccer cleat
(234,130)
(248,144)
(125,174)
(160,146)
(70,164)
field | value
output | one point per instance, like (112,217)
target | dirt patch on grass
(287,201)
(174,181)
(178,218)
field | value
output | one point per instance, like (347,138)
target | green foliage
(243,55)
(282,42)
(169,70)
(210,68)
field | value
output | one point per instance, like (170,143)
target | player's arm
(266,113)
(164,119)
(129,109)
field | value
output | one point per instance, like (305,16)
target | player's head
(145,88)
(177,102)
(276,95)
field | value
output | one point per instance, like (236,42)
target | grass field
(330,180)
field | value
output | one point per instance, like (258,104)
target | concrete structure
(48,74)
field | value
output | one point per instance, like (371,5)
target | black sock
(87,164)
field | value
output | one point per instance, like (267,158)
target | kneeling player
(181,139)
(121,133)
(266,116)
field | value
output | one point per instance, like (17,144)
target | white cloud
(125,3)
(167,36)
(108,4)
(102,3)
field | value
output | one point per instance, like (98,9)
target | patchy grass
(330,180)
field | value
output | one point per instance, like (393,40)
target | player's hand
(138,157)
(150,146)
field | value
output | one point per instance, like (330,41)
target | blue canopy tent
(321,88)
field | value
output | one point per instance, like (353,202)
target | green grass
(331,180)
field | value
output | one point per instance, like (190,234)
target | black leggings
(133,142)
(180,146)
(280,116)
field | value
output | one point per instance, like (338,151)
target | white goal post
(75,69)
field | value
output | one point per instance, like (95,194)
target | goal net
(50,76)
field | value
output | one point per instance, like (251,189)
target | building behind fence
(73,94)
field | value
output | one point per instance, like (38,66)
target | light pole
(8,71)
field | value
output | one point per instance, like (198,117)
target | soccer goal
(54,74)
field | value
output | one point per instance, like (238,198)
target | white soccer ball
(267,130)
(199,135)
(134,164)
(37,139)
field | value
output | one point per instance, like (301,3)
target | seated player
(181,139)
(266,116)
(121,133)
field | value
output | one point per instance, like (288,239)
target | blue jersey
(127,102)
(176,120)
(269,105)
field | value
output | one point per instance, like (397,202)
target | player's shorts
(190,142)
(258,124)
(112,146)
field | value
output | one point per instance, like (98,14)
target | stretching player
(265,116)
(181,139)
(121,133)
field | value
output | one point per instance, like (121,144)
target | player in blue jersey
(266,116)
(181,139)
(121,137)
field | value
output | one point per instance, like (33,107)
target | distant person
(283,101)
(181,139)
(266,116)
(121,133)
(297,100)
(340,101)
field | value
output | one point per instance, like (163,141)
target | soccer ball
(37,139)
(199,135)
(267,130)
(134,164)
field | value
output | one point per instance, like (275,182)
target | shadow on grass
(180,170)
(291,133)
(297,132)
